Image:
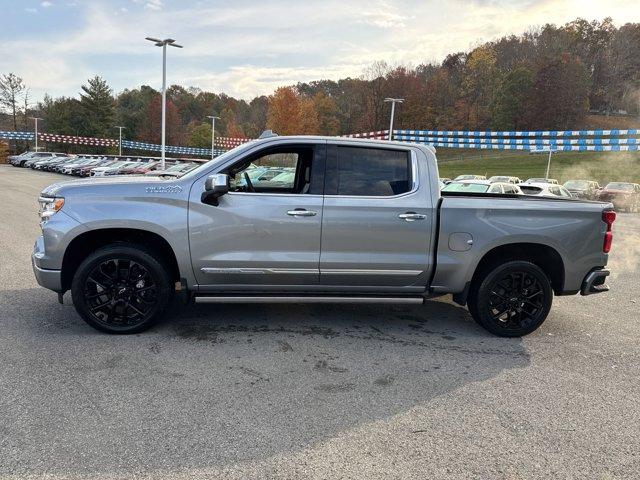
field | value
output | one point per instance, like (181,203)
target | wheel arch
(540,254)
(544,256)
(87,242)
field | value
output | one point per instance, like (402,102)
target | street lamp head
(394,100)
(161,43)
(212,117)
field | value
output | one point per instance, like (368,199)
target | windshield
(577,184)
(627,187)
(466,187)
(499,179)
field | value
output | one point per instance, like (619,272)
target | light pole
(163,44)
(550,151)
(120,139)
(213,133)
(548,164)
(36,132)
(393,112)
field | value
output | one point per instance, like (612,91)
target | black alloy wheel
(121,288)
(120,292)
(512,300)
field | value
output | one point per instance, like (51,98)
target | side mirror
(214,187)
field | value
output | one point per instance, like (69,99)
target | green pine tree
(98,108)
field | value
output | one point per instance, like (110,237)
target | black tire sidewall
(479,298)
(139,254)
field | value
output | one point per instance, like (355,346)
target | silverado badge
(164,189)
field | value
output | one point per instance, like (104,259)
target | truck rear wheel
(511,299)
(122,288)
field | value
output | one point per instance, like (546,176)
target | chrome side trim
(302,299)
(261,271)
(340,271)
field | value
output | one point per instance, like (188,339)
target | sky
(248,48)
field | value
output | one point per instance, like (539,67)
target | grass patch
(600,166)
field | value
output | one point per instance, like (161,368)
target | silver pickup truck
(315,219)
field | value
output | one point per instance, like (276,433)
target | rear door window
(370,172)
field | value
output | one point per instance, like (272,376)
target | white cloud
(31,10)
(46,4)
(246,49)
(153,5)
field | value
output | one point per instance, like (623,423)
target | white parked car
(482,186)
(469,177)
(545,190)
(504,179)
(542,180)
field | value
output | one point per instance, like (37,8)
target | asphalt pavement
(303,391)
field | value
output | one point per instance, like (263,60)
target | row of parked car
(624,195)
(99,165)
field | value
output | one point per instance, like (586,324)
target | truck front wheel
(511,299)
(121,288)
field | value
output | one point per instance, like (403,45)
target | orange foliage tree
(289,113)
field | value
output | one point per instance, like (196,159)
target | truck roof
(345,140)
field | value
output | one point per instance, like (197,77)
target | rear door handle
(411,216)
(301,212)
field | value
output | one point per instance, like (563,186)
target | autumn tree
(508,110)
(326,112)
(151,131)
(479,85)
(559,95)
(283,114)
(4,152)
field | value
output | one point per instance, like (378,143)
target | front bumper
(51,279)
(594,282)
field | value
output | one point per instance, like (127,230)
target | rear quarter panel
(573,228)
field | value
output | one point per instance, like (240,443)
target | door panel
(266,233)
(250,239)
(377,241)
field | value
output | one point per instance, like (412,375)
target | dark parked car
(140,169)
(587,189)
(624,196)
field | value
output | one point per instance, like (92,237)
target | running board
(309,299)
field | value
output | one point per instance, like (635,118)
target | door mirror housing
(214,187)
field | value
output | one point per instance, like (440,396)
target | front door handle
(301,212)
(411,216)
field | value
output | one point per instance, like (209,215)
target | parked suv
(586,189)
(624,196)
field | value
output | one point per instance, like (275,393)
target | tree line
(545,78)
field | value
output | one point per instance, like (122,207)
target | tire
(121,289)
(511,299)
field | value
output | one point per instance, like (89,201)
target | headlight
(49,206)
